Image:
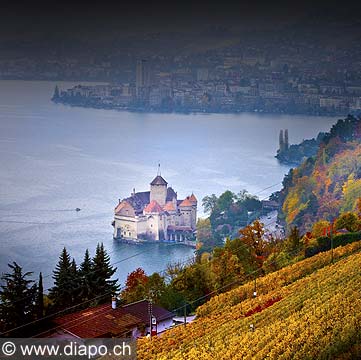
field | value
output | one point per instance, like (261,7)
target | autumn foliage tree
(320,227)
(348,221)
(226,268)
(135,286)
(253,238)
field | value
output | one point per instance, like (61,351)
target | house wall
(164,325)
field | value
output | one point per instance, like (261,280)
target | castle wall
(142,226)
(186,216)
(153,227)
(125,227)
(194,217)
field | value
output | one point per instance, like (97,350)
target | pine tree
(87,278)
(103,272)
(75,283)
(61,292)
(40,298)
(17,298)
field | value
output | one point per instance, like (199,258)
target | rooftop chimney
(114,302)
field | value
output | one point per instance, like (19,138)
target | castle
(156,215)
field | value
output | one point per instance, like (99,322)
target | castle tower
(281,142)
(194,202)
(158,189)
(185,208)
(286,140)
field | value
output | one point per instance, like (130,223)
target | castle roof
(158,180)
(186,202)
(139,200)
(169,206)
(192,198)
(125,208)
(153,207)
(171,194)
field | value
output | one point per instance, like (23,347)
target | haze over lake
(55,158)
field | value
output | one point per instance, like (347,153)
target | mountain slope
(325,185)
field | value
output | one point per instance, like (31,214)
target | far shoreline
(197,112)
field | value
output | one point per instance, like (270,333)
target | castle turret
(194,202)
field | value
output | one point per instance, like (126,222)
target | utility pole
(255,287)
(185,313)
(150,311)
(331,237)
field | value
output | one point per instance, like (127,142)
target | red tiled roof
(192,198)
(99,321)
(119,206)
(124,208)
(185,202)
(169,206)
(153,207)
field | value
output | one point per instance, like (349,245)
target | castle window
(129,233)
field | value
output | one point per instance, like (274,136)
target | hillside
(309,310)
(327,184)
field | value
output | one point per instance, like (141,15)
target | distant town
(296,68)
(232,84)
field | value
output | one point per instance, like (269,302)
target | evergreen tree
(75,283)
(87,278)
(62,291)
(103,271)
(17,297)
(40,298)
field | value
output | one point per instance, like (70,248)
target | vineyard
(309,310)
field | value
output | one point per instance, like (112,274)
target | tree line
(251,254)
(23,301)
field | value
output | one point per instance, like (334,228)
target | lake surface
(55,158)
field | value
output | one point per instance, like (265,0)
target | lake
(55,158)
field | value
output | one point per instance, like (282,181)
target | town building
(156,215)
(142,80)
